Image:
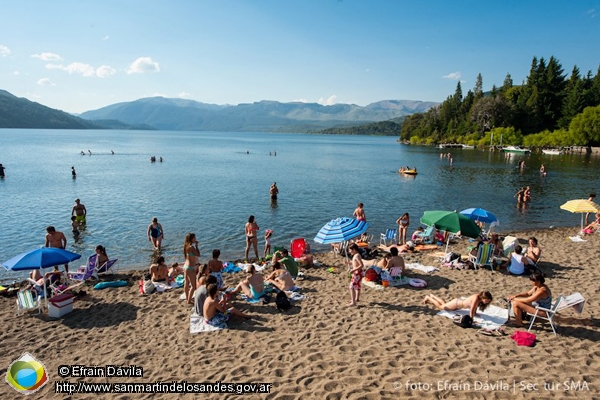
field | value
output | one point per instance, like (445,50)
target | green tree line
(550,108)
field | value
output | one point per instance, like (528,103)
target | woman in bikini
(191,254)
(356,270)
(251,238)
(252,286)
(102,258)
(539,295)
(403,223)
(280,277)
(471,303)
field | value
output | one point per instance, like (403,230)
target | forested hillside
(550,108)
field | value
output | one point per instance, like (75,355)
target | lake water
(209,184)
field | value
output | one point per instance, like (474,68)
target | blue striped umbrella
(341,229)
(479,214)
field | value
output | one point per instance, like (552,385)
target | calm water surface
(208,184)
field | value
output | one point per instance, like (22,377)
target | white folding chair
(576,300)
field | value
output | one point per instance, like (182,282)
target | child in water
(268,234)
(75,226)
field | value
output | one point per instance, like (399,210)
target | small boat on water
(407,171)
(552,152)
(516,149)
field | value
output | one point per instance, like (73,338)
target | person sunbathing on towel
(539,295)
(280,277)
(215,313)
(481,300)
(175,270)
(252,286)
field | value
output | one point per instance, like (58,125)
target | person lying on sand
(280,277)
(214,312)
(252,286)
(481,300)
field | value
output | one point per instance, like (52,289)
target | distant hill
(264,116)
(16,112)
(383,128)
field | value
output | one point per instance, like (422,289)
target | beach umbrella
(451,221)
(42,258)
(479,214)
(340,230)
(581,206)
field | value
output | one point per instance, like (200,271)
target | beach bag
(282,302)
(523,338)
(372,275)
(149,287)
(451,257)
(464,321)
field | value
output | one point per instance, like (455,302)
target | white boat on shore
(516,149)
(552,152)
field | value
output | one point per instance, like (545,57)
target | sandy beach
(391,346)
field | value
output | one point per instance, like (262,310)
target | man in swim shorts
(217,313)
(57,240)
(79,211)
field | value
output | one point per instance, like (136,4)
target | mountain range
(181,114)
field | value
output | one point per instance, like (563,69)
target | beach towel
(198,325)
(421,267)
(492,318)
(257,267)
(372,284)
(295,296)
(104,285)
(577,239)
(230,268)
(162,286)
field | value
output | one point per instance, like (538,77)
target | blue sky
(83,55)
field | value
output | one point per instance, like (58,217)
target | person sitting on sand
(593,227)
(201,293)
(280,277)
(396,261)
(471,303)
(252,286)
(202,276)
(533,253)
(383,263)
(290,264)
(523,303)
(515,265)
(215,313)
(159,272)
(215,267)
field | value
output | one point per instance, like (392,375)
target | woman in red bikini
(251,238)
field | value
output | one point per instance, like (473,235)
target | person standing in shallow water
(359,213)
(274,191)
(2,171)
(73,173)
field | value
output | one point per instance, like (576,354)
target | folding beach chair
(575,300)
(390,234)
(484,256)
(106,267)
(298,247)
(86,271)
(427,236)
(28,300)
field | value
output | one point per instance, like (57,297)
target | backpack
(149,287)
(464,321)
(282,302)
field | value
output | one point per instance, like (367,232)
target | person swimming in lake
(472,303)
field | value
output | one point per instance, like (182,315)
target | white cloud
(4,51)
(86,70)
(184,95)
(300,101)
(454,75)
(331,100)
(45,82)
(105,71)
(16,73)
(47,56)
(105,37)
(143,65)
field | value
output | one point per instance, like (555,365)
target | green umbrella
(451,221)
